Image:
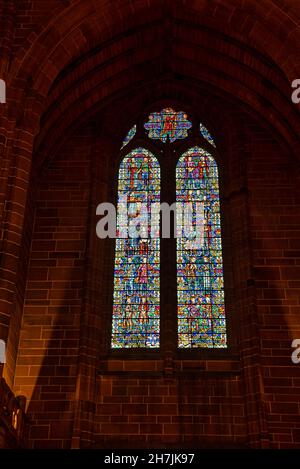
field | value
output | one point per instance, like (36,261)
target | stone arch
(70,38)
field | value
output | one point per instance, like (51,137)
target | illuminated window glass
(129,136)
(168,124)
(137,269)
(201,310)
(207,135)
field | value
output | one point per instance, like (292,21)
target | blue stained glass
(129,136)
(200,284)
(168,124)
(136,312)
(207,135)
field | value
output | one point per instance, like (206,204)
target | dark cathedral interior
(156,341)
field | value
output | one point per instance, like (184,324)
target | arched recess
(76,54)
(79,98)
(96,315)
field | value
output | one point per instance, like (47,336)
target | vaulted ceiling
(87,54)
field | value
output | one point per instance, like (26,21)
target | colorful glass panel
(136,316)
(201,310)
(129,136)
(205,133)
(168,124)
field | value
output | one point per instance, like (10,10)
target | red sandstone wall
(48,349)
(188,409)
(203,402)
(47,362)
(275,228)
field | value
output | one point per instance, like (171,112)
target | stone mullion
(168,266)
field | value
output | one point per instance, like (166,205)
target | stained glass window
(168,124)
(201,309)
(205,133)
(129,136)
(136,321)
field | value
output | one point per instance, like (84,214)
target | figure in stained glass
(200,284)
(168,124)
(200,271)
(136,280)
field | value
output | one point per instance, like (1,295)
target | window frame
(179,147)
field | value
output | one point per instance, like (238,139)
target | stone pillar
(96,311)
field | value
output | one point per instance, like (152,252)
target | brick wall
(196,405)
(222,55)
(198,402)
(275,226)
(48,350)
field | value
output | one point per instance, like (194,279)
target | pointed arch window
(136,278)
(137,312)
(200,284)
